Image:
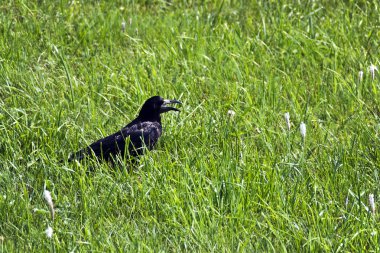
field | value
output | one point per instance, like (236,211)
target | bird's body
(131,140)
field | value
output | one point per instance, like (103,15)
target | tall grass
(70,74)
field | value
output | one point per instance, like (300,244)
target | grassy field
(74,71)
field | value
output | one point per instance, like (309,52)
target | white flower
(372,69)
(303,130)
(49,200)
(123,26)
(287,119)
(231,113)
(361,73)
(371,200)
(47,196)
(49,232)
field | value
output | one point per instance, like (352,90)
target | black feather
(132,139)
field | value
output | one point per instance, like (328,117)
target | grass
(70,74)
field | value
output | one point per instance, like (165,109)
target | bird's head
(156,105)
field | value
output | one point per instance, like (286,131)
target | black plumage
(142,132)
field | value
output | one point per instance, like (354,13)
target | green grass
(69,75)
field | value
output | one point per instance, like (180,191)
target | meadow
(229,173)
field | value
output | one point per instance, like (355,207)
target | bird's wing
(139,135)
(103,147)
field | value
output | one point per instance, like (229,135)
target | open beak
(168,108)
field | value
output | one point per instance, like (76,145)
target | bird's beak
(168,108)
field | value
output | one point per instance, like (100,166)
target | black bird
(142,132)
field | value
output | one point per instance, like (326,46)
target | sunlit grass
(229,173)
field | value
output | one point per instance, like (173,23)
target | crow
(132,139)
